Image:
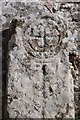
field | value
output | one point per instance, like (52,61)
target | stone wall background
(69,13)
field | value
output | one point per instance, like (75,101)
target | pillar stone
(41,59)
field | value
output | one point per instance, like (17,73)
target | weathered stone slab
(41,71)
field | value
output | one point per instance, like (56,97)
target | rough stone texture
(0,76)
(43,59)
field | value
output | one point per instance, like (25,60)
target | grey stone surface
(0,76)
(68,1)
(42,62)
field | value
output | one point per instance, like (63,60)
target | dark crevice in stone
(31,45)
(44,69)
(54,10)
(6,36)
(67,8)
(47,8)
(36,108)
(74,19)
(74,59)
(30,53)
(45,44)
(50,89)
(47,17)
(44,91)
(43,114)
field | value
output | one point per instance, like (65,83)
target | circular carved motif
(44,34)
